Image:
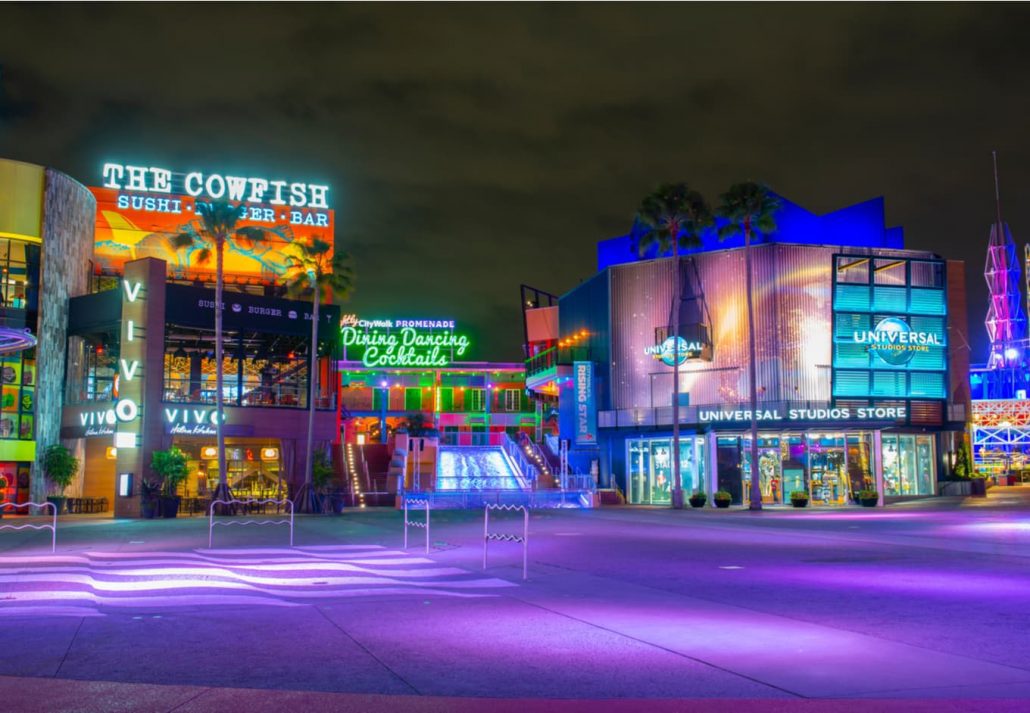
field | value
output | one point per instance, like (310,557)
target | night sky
(471,148)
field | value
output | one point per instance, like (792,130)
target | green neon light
(406,346)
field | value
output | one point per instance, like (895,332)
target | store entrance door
(828,469)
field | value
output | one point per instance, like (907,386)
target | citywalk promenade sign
(403,342)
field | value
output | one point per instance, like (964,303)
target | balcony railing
(555,356)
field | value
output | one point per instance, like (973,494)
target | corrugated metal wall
(792,315)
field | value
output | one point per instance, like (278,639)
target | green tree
(964,467)
(319,274)
(216,225)
(171,466)
(750,208)
(59,467)
(416,424)
(673,217)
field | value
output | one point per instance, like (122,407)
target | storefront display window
(651,473)
(830,467)
(18,396)
(253,467)
(908,464)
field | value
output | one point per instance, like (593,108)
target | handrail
(29,526)
(211,523)
(529,471)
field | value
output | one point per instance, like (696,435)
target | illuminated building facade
(140,368)
(859,384)
(46,241)
(395,368)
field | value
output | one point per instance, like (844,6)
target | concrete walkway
(917,607)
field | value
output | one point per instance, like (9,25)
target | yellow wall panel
(21,199)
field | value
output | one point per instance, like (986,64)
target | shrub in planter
(59,467)
(698,499)
(171,466)
(722,499)
(799,498)
(868,498)
(149,499)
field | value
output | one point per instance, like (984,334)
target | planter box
(169,507)
(698,503)
(722,503)
(868,502)
(799,503)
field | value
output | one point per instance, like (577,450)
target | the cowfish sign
(139,206)
(214,186)
(404,346)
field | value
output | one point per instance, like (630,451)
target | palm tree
(673,217)
(750,208)
(318,273)
(216,225)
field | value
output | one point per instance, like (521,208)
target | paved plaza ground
(916,607)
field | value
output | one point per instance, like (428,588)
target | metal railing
(527,470)
(522,539)
(212,523)
(424,524)
(32,526)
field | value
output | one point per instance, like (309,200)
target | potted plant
(170,465)
(722,499)
(59,467)
(149,498)
(698,499)
(868,498)
(799,498)
(321,478)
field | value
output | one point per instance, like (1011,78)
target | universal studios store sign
(404,342)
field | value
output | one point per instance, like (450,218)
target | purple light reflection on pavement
(264,577)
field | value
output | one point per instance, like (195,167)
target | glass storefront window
(908,464)
(649,464)
(830,467)
(253,467)
(827,469)
(18,398)
(266,370)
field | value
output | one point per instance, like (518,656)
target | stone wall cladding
(69,220)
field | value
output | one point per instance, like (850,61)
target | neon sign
(126,410)
(866,413)
(406,346)
(352,320)
(215,186)
(895,342)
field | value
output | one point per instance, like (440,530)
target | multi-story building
(861,366)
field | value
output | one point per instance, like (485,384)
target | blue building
(859,386)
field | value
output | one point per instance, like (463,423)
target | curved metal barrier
(507,537)
(416,502)
(30,526)
(212,523)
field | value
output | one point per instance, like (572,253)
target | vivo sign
(192,421)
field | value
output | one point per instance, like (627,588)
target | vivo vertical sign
(586,408)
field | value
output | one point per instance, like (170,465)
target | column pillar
(878,466)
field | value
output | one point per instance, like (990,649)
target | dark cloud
(474,147)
